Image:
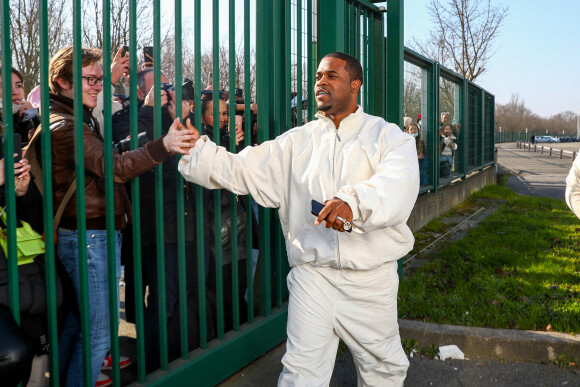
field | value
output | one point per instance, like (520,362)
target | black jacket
(121,125)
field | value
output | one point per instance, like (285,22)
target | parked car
(548,139)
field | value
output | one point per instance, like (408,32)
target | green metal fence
(281,43)
(439,97)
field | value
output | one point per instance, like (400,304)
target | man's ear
(355,86)
(64,84)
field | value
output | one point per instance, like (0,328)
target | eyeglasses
(92,81)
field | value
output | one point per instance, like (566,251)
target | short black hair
(353,67)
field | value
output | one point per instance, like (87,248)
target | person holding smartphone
(342,285)
(25,116)
(20,342)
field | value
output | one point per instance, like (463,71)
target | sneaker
(104,380)
(124,362)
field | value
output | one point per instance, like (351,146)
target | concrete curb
(503,344)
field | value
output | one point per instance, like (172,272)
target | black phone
(316,207)
(125,50)
(17,147)
(148,51)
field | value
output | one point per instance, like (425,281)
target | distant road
(537,174)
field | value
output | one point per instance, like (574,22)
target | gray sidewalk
(494,357)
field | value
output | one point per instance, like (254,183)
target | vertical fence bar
(232,145)
(465,124)
(217,193)
(279,108)
(482,134)
(248,142)
(113,282)
(383,67)
(9,186)
(351,17)
(434,124)
(80,189)
(309,64)
(395,62)
(135,198)
(263,92)
(49,255)
(160,237)
(180,186)
(370,80)
(298,62)
(365,36)
(288,62)
(199,222)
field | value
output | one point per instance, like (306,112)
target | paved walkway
(534,173)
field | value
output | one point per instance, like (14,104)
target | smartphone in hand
(17,147)
(148,54)
(316,207)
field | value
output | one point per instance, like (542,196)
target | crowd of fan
(177,135)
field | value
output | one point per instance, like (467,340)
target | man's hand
(179,138)
(239,130)
(333,209)
(150,97)
(119,67)
(171,106)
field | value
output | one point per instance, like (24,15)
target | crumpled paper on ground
(450,352)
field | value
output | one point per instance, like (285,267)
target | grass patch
(519,269)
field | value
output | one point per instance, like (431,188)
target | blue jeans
(70,344)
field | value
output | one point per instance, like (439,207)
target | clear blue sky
(536,56)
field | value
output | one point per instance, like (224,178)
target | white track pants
(360,307)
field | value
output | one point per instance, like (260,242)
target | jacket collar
(349,120)
(62,104)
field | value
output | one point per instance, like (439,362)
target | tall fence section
(269,50)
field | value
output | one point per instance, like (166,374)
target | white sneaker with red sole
(124,362)
(104,380)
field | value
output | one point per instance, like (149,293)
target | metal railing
(441,97)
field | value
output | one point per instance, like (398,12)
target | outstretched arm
(255,170)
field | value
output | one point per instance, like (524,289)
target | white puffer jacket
(369,163)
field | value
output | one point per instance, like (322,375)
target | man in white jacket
(342,285)
(573,187)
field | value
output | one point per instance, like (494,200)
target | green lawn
(519,269)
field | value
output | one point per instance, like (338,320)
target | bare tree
(412,92)
(464,34)
(25,35)
(92,16)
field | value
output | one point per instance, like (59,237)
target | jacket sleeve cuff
(157,150)
(352,202)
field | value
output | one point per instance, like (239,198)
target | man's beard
(325,108)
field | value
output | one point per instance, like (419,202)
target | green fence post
(332,34)
(264,94)
(465,122)
(9,186)
(395,62)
